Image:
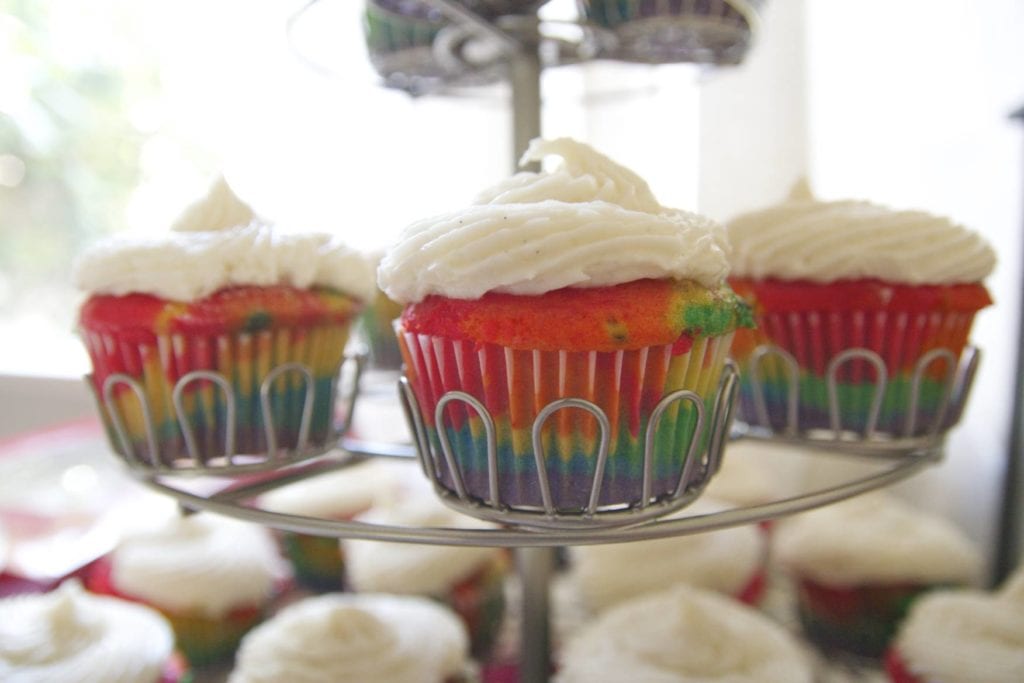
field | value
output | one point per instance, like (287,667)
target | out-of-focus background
(115,114)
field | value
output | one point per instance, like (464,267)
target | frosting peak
(218,210)
(71,635)
(588,223)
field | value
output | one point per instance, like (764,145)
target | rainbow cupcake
(667,31)
(874,303)
(859,565)
(317,561)
(683,635)
(573,283)
(213,578)
(469,580)
(71,635)
(262,317)
(342,638)
(962,636)
(727,561)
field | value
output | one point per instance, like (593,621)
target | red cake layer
(626,316)
(234,309)
(781,296)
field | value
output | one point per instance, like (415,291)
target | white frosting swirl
(208,251)
(723,561)
(72,636)
(590,223)
(875,538)
(683,635)
(964,637)
(806,239)
(199,564)
(348,638)
(413,567)
(340,494)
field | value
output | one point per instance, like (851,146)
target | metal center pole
(534,565)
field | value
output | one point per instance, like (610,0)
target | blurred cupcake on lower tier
(728,561)
(317,561)
(345,638)
(862,312)
(962,636)
(214,578)
(471,580)
(71,636)
(683,635)
(860,564)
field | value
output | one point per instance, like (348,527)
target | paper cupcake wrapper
(244,360)
(479,600)
(814,339)
(663,31)
(515,386)
(317,561)
(860,620)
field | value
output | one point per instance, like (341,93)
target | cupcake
(470,580)
(344,638)
(317,561)
(683,635)
(728,561)
(826,278)
(704,31)
(266,314)
(69,635)
(573,283)
(414,46)
(378,327)
(214,578)
(858,565)
(962,636)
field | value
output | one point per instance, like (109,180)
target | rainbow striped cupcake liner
(229,402)
(668,31)
(567,437)
(867,375)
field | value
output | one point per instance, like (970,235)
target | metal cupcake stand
(232,483)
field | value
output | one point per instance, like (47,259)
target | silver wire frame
(696,471)
(956,384)
(192,460)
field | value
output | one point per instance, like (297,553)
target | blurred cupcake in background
(717,32)
(962,636)
(469,579)
(859,565)
(214,578)
(683,634)
(377,325)
(223,292)
(70,635)
(317,561)
(346,638)
(728,561)
(828,277)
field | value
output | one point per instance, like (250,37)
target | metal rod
(534,567)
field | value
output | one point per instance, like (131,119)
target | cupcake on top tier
(213,577)
(573,283)
(72,636)
(826,277)
(227,293)
(683,635)
(859,564)
(469,579)
(962,636)
(342,638)
(729,561)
